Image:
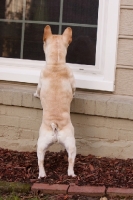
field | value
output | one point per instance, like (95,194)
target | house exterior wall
(97,135)
(124,71)
(103,121)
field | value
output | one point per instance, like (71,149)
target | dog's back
(56,95)
(56,91)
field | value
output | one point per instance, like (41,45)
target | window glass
(22,23)
(33,45)
(83,47)
(10,39)
(11,9)
(43,10)
(80,11)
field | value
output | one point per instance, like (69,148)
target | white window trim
(98,77)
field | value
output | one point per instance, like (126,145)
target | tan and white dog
(56,88)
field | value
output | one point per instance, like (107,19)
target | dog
(56,89)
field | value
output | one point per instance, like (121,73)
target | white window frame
(98,77)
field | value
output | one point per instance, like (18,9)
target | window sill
(28,71)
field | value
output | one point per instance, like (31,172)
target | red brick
(87,190)
(120,192)
(50,189)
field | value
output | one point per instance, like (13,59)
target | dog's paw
(42,175)
(36,95)
(103,198)
(71,174)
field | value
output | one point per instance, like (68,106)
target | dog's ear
(67,34)
(47,32)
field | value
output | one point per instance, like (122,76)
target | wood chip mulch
(90,170)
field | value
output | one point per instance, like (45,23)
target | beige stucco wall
(103,122)
(124,71)
(95,135)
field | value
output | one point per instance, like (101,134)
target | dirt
(90,170)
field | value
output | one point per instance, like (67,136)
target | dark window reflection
(80,11)
(10,39)
(43,10)
(82,50)
(33,43)
(11,9)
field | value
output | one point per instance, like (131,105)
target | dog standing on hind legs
(56,88)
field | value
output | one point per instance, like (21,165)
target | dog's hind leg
(66,137)
(71,159)
(44,141)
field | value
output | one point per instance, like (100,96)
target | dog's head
(55,46)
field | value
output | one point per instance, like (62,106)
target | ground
(90,170)
(96,171)
(44,197)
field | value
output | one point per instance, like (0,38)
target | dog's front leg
(73,85)
(73,90)
(37,93)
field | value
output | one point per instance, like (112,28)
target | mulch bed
(90,170)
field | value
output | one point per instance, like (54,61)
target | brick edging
(126,192)
(72,189)
(68,189)
(87,190)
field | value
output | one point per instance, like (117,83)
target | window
(91,55)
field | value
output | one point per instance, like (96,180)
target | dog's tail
(54,127)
